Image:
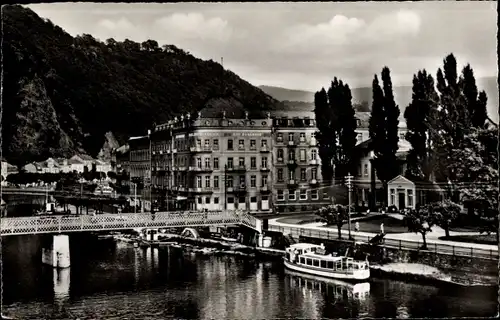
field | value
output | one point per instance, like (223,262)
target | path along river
(109,280)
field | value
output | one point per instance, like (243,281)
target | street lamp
(135,196)
(349,188)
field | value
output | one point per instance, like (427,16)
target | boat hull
(357,275)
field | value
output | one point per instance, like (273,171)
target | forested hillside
(62,94)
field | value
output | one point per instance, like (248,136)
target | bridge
(57,251)
(110,222)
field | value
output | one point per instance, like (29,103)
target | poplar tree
(347,132)
(420,118)
(325,136)
(475,101)
(335,119)
(383,129)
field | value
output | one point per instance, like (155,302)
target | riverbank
(415,272)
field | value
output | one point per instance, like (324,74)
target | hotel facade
(216,161)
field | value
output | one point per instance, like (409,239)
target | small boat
(313,259)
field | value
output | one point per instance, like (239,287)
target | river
(109,280)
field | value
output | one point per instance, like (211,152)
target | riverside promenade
(406,240)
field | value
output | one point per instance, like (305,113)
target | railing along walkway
(393,243)
(73,223)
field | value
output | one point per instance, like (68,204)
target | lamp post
(349,188)
(135,196)
(225,187)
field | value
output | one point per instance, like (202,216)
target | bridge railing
(68,223)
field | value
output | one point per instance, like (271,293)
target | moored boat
(313,259)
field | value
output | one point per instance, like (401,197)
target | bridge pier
(56,252)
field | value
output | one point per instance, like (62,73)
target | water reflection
(62,282)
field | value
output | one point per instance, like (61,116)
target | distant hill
(297,99)
(64,94)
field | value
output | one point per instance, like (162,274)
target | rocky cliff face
(36,124)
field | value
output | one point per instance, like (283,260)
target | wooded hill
(62,94)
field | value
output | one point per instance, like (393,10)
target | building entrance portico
(401,193)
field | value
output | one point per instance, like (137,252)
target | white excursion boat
(313,259)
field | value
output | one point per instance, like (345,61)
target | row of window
(360,136)
(291,174)
(183,144)
(321,263)
(409,200)
(183,161)
(230,200)
(302,155)
(280,177)
(230,181)
(292,195)
(291,136)
(208,161)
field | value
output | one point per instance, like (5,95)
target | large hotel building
(228,160)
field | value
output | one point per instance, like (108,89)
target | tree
(444,213)
(325,136)
(419,221)
(475,101)
(335,119)
(420,118)
(383,129)
(477,172)
(345,161)
(334,215)
(459,105)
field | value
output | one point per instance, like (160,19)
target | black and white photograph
(249,160)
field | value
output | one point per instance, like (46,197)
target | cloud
(342,30)
(196,26)
(399,23)
(335,31)
(120,24)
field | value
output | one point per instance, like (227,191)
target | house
(408,193)
(76,164)
(7,169)
(64,166)
(85,159)
(49,166)
(102,166)
(32,167)
(368,189)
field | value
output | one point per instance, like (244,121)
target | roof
(230,107)
(329,257)
(292,114)
(85,157)
(123,149)
(137,138)
(304,245)
(74,161)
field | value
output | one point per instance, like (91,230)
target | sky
(302,45)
